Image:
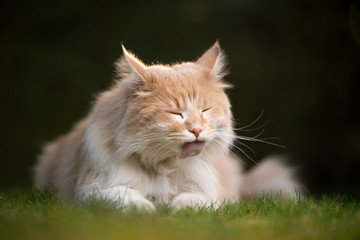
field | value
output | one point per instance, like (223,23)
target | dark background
(298,60)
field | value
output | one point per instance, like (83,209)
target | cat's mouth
(192,148)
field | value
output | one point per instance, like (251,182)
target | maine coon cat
(162,133)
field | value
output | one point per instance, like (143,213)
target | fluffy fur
(160,134)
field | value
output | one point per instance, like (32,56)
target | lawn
(27,214)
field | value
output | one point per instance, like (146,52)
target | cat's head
(178,110)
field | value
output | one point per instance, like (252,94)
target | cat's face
(181,111)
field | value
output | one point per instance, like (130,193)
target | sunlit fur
(128,149)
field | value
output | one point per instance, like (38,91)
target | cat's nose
(196,131)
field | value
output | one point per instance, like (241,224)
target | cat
(161,134)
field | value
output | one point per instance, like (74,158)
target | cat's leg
(120,196)
(192,200)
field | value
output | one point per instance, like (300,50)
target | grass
(27,214)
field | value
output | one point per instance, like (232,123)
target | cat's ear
(129,64)
(213,60)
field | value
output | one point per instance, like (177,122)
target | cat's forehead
(177,76)
(174,72)
(182,86)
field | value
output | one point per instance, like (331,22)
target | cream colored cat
(162,133)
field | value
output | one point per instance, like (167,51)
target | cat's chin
(192,149)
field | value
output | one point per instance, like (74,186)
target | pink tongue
(192,148)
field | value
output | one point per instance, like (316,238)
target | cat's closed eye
(176,113)
(206,109)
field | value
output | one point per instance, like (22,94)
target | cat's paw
(189,200)
(140,203)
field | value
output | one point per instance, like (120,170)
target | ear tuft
(213,60)
(129,64)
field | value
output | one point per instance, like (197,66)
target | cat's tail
(270,177)
(45,168)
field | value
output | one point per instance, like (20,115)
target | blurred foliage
(298,60)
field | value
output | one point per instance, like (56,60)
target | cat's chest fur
(168,179)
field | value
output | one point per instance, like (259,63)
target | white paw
(139,202)
(120,197)
(189,200)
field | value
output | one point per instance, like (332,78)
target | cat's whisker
(250,139)
(242,161)
(252,123)
(223,144)
(243,144)
(240,149)
(253,129)
(258,135)
(243,152)
(156,149)
(254,139)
